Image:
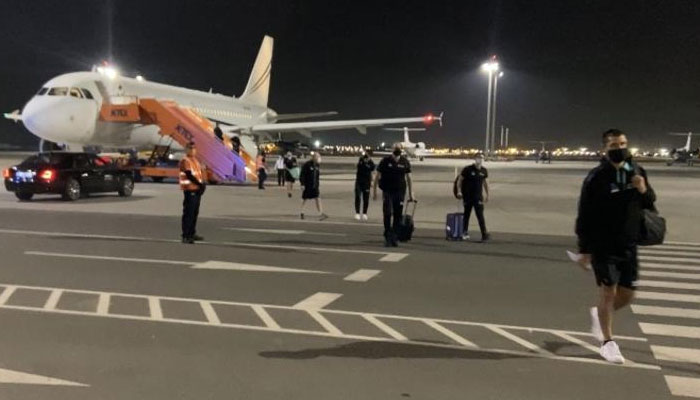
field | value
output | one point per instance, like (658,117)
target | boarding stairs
(183,125)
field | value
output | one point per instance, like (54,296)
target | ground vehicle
(71,175)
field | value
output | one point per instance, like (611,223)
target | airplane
(66,110)
(544,155)
(413,150)
(684,154)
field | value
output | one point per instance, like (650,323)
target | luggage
(404,231)
(653,229)
(454,226)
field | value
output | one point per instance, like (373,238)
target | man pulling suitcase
(473,189)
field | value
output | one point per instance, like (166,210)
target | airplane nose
(60,119)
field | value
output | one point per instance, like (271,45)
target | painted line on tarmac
(386,255)
(362,275)
(691,332)
(676,354)
(220,265)
(676,312)
(683,386)
(670,253)
(306,221)
(317,301)
(694,261)
(686,298)
(23,378)
(284,231)
(670,266)
(668,284)
(674,275)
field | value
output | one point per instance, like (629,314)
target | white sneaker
(357,217)
(466,236)
(364,217)
(611,353)
(596,330)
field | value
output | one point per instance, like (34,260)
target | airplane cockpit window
(75,92)
(87,94)
(42,91)
(58,91)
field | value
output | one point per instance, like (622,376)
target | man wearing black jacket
(608,227)
(309,178)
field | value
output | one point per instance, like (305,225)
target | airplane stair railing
(184,126)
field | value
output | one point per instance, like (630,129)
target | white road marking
(384,327)
(325,323)
(6,293)
(666,311)
(683,386)
(393,257)
(670,266)
(284,231)
(668,285)
(306,221)
(107,258)
(691,244)
(689,298)
(676,354)
(23,378)
(210,313)
(673,247)
(675,253)
(362,275)
(231,244)
(154,307)
(670,259)
(578,341)
(683,331)
(518,340)
(265,317)
(223,265)
(676,275)
(52,301)
(452,335)
(317,301)
(103,304)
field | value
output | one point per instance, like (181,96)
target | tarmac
(99,299)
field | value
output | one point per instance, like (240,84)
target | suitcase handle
(415,205)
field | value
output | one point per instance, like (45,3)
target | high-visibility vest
(192,165)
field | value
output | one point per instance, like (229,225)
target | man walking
(473,189)
(394,178)
(261,170)
(192,186)
(279,166)
(608,227)
(363,182)
(309,178)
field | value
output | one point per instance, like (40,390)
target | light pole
(492,68)
(493,113)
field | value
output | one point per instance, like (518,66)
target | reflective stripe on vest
(192,165)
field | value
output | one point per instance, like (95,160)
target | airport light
(634,151)
(140,78)
(492,68)
(317,144)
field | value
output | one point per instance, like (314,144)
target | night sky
(572,69)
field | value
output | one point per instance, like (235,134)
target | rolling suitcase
(406,227)
(454,226)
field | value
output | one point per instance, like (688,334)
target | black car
(69,174)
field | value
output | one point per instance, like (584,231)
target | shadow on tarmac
(90,199)
(380,350)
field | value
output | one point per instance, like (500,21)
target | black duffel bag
(653,228)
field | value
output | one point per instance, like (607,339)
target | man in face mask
(608,227)
(473,189)
(394,178)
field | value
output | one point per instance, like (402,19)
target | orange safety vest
(192,165)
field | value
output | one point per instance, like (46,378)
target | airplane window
(42,91)
(75,92)
(58,91)
(87,94)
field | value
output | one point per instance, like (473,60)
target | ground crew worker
(473,189)
(309,179)
(193,186)
(260,168)
(279,166)
(363,183)
(610,216)
(394,178)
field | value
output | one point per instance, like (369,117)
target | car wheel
(126,187)
(24,196)
(72,191)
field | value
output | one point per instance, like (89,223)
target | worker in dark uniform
(394,178)
(363,183)
(193,186)
(608,225)
(473,189)
(261,170)
(309,179)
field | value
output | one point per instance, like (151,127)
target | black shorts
(618,269)
(310,193)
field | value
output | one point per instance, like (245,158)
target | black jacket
(309,176)
(610,209)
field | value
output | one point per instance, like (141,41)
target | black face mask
(618,155)
(397,153)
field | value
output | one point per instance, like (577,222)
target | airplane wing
(14,116)
(361,125)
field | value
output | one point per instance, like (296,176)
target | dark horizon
(570,71)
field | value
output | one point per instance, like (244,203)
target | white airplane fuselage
(64,114)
